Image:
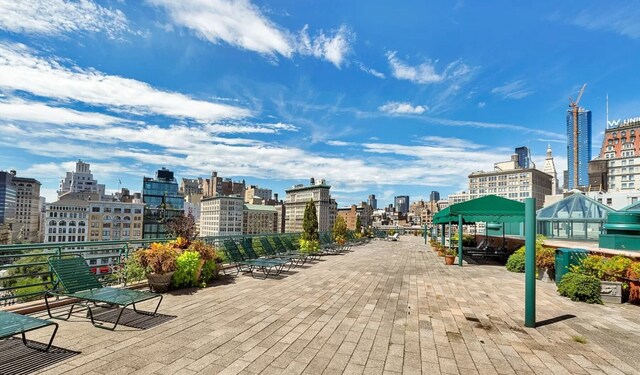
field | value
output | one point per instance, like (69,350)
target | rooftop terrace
(385,307)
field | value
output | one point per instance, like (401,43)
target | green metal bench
(12,324)
(267,266)
(74,279)
(271,253)
(281,248)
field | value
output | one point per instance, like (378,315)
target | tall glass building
(584,148)
(162,202)
(7,198)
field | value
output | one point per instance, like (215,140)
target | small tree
(183,226)
(340,229)
(310,222)
(358,224)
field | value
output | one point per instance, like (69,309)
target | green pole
(460,240)
(449,235)
(442,234)
(425,234)
(530,263)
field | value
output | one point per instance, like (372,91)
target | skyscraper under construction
(578,146)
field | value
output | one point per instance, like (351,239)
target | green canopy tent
(490,208)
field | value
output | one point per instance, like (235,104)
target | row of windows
(63,223)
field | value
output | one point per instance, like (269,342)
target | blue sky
(375,98)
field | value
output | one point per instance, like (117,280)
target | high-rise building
(550,169)
(221,216)
(27,220)
(296,200)
(434,196)
(81,181)
(111,221)
(578,147)
(620,147)
(162,202)
(373,202)
(351,214)
(7,207)
(524,157)
(401,203)
(259,219)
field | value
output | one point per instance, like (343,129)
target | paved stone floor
(385,307)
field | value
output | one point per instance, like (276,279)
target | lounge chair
(288,242)
(279,251)
(12,324)
(74,279)
(249,265)
(247,245)
(394,237)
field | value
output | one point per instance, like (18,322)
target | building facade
(221,216)
(67,219)
(296,200)
(578,148)
(620,147)
(81,180)
(434,196)
(254,191)
(401,203)
(114,221)
(162,202)
(259,219)
(516,184)
(524,157)
(27,221)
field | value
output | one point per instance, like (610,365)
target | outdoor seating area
(377,309)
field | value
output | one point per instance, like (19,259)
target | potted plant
(449,257)
(159,262)
(207,253)
(545,263)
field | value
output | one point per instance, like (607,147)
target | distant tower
(550,169)
(578,142)
(524,158)
(402,203)
(434,196)
(373,202)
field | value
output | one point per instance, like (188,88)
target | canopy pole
(442,234)
(449,233)
(530,263)
(460,240)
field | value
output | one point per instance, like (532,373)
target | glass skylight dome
(576,217)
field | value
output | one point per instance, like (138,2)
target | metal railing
(25,275)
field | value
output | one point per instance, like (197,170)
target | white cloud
(425,73)
(621,19)
(19,110)
(371,71)
(451,142)
(481,104)
(396,108)
(241,24)
(22,70)
(512,90)
(55,17)
(340,143)
(332,48)
(238,23)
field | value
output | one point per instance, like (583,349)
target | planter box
(611,291)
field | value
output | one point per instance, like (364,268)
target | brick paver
(385,307)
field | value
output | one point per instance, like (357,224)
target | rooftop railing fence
(25,274)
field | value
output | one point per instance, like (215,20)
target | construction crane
(575,109)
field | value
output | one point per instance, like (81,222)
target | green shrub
(187,267)
(579,287)
(309,246)
(209,271)
(515,263)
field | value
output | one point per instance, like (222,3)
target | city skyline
(373,101)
